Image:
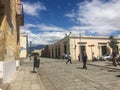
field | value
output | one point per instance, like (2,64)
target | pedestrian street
(57,75)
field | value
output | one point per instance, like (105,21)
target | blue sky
(47,21)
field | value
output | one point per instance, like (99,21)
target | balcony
(20,14)
(2,11)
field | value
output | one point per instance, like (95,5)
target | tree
(113,42)
(35,54)
(46,51)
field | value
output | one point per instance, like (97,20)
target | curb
(40,81)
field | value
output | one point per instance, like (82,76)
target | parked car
(105,57)
(108,57)
(117,58)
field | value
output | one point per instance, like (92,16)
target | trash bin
(36,63)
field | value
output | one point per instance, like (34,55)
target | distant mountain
(38,47)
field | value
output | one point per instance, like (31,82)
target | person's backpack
(69,57)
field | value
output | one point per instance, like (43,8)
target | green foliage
(35,54)
(46,47)
(113,42)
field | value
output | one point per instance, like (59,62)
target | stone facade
(9,35)
(76,45)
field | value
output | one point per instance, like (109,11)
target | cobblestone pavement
(57,75)
(24,79)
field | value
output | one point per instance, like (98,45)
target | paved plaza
(57,75)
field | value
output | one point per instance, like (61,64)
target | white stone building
(76,45)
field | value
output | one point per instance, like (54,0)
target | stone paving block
(70,88)
(26,79)
(64,88)
(18,85)
(15,88)
(35,86)
(24,88)
(50,88)
(37,89)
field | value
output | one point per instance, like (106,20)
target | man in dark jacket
(114,55)
(84,59)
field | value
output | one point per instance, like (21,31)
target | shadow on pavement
(79,68)
(33,72)
(101,69)
(109,65)
(118,76)
(112,70)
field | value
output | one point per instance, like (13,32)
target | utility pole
(30,49)
(80,39)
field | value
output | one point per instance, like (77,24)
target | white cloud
(50,27)
(47,35)
(33,8)
(98,17)
(44,38)
(71,15)
(43,27)
(27,26)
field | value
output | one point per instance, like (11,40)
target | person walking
(114,55)
(69,58)
(84,59)
(79,57)
(34,64)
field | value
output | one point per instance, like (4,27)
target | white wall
(1,69)
(23,46)
(7,69)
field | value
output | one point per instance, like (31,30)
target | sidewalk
(24,79)
(106,64)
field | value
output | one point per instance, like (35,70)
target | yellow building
(11,17)
(76,45)
(23,45)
